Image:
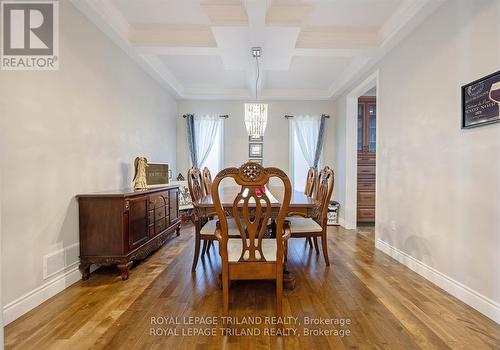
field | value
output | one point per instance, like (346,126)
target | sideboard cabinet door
(174,207)
(138,222)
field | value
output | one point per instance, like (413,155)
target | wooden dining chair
(316,227)
(207,180)
(310,182)
(204,229)
(204,226)
(251,256)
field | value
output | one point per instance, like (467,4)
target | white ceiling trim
(366,48)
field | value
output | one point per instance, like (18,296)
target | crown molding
(144,44)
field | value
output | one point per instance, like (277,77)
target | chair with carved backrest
(197,191)
(251,256)
(310,181)
(204,228)
(207,180)
(316,227)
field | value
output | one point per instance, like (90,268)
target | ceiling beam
(171,36)
(287,14)
(225,14)
(334,38)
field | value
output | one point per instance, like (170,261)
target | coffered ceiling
(311,49)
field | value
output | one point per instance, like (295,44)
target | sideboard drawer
(366,214)
(160,225)
(160,213)
(158,200)
(366,199)
(366,186)
(366,170)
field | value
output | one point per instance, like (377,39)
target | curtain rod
(225,116)
(323,115)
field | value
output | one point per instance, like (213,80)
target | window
(304,133)
(214,161)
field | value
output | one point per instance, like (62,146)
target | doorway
(368,86)
(366,146)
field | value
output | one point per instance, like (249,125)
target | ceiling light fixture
(256,113)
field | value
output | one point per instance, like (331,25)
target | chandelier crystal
(256,119)
(256,113)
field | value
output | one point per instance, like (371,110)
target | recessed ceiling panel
(167,12)
(307,73)
(204,72)
(358,14)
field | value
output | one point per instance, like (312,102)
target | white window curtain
(306,131)
(206,129)
(306,145)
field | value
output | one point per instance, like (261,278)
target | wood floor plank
(389,306)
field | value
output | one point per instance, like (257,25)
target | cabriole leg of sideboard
(84,269)
(124,267)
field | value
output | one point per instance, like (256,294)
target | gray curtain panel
(319,144)
(191,139)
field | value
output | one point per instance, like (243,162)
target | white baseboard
(29,301)
(341,222)
(483,304)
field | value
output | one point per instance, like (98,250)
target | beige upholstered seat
(209,227)
(234,249)
(303,225)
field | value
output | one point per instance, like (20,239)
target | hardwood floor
(389,305)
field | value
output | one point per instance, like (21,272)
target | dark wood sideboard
(119,227)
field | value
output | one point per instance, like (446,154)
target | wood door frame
(351,156)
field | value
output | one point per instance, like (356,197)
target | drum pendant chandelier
(256,113)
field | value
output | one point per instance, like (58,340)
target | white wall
(438,199)
(66,132)
(1,308)
(276,139)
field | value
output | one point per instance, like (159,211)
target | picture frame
(258,161)
(158,174)
(481,101)
(255,139)
(255,150)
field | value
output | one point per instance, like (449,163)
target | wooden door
(174,207)
(138,222)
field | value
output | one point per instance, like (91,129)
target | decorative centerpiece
(140,165)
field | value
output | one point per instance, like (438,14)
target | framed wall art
(481,101)
(255,150)
(255,139)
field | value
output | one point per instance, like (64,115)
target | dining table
(300,205)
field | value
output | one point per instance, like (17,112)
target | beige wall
(438,197)
(276,139)
(71,131)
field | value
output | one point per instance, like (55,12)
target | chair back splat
(310,181)
(326,181)
(207,181)
(195,184)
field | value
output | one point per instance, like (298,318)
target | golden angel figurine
(140,164)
